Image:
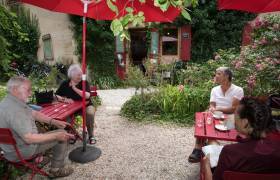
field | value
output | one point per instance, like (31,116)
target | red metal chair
(6,137)
(93,91)
(232,175)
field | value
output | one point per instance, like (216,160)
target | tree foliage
(119,26)
(100,48)
(19,35)
(27,49)
(10,34)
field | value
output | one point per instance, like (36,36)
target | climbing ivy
(213,29)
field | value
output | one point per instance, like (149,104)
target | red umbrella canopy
(254,6)
(99,10)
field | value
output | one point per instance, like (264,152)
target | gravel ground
(132,150)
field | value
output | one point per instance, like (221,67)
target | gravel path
(132,150)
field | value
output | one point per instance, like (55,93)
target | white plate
(221,127)
(218,117)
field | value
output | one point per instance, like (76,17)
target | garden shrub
(138,108)
(136,78)
(256,68)
(10,34)
(168,104)
(27,50)
(2,92)
(19,36)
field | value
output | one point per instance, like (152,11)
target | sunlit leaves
(185,14)
(120,25)
(162,4)
(112,6)
(116,27)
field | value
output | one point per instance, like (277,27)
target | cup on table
(209,120)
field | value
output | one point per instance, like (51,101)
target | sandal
(44,162)
(91,140)
(60,172)
(41,161)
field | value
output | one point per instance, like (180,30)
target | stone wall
(58,26)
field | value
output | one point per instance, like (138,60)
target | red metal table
(206,130)
(61,111)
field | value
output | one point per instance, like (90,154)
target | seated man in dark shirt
(259,152)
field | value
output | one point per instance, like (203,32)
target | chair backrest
(93,91)
(6,136)
(232,175)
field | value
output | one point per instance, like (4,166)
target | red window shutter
(246,35)
(185,43)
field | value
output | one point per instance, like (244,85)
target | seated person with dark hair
(259,152)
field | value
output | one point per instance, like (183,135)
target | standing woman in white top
(225,97)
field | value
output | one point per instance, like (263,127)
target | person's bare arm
(38,116)
(212,106)
(34,138)
(80,92)
(231,109)
(206,168)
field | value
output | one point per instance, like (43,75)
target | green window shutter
(154,42)
(47,46)
(119,45)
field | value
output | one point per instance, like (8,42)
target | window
(47,45)
(170,42)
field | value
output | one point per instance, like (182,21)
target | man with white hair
(225,98)
(20,119)
(71,90)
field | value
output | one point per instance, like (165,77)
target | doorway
(138,46)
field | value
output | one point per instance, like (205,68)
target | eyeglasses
(28,89)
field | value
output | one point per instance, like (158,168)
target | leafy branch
(120,25)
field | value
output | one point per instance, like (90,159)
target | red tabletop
(60,110)
(206,130)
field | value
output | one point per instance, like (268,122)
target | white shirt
(225,101)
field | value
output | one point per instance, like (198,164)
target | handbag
(44,97)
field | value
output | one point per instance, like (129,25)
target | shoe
(195,156)
(60,172)
(91,140)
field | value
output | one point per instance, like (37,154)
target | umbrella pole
(85,153)
(84,82)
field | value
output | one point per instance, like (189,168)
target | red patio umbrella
(254,6)
(99,10)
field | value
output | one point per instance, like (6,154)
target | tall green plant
(26,49)
(11,34)
(137,79)
(19,36)
(100,50)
